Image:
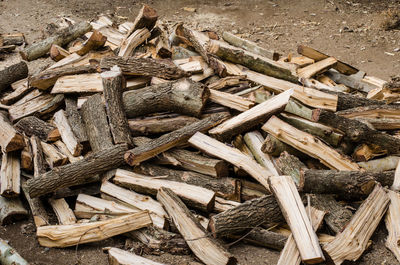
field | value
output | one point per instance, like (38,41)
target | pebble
(396,49)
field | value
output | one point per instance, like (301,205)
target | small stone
(396,49)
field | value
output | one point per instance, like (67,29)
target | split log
(183,96)
(64,214)
(129,44)
(146,18)
(64,149)
(194,196)
(227,188)
(39,106)
(205,248)
(254,141)
(260,211)
(9,256)
(193,67)
(138,201)
(308,144)
(39,164)
(118,256)
(73,234)
(249,46)
(162,68)
(392,224)
(54,158)
(296,217)
(252,61)
(351,243)
(11,209)
(95,119)
(27,156)
(231,155)
(231,101)
(58,53)
(298,109)
(49,77)
(290,165)
(81,83)
(75,119)
(10,139)
(96,41)
(354,81)
(170,140)
(61,38)
(13,38)
(274,147)
(13,73)
(113,83)
(358,131)
(78,172)
(365,152)
(7,48)
(31,95)
(380,164)
(316,68)
(318,56)
(222,205)
(252,117)
(40,217)
(10,175)
(158,124)
(337,216)
(396,179)
(21,88)
(31,125)
(67,135)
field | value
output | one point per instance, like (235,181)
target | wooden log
(263,238)
(13,38)
(354,81)
(290,254)
(222,205)
(58,53)
(295,215)
(78,172)
(39,164)
(118,256)
(254,141)
(96,41)
(138,201)
(64,149)
(251,118)
(64,214)
(193,67)
(231,101)
(308,144)
(260,211)
(318,56)
(40,217)
(91,188)
(298,109)
(49,77)
(95,119)
(9,256)
(67,135)
(7,48)
(274,147)
(365,152)
(182,96)
(205,248)
(170,140)
(249,46)
(31,95)
(290,165)
(73,234)
(252,61)
(349,101)
(392,224)
(75,119)
(10,139)
(158,124)
(10,175)
(54,157)
(113,83)
(358,131)
(31,125)
(195,197)
(227,188)
(351,243)
(27,156)
(146,18)
(19,92)
(129,44)
(316,68)
(61,38)
(162,68)
(380,164)
(81,83)
(12,74)
(11,209)
(396,179)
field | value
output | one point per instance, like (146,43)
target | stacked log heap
(188,142)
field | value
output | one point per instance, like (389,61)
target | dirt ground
(348,30)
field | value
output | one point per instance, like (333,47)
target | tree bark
(9,256)
(13,73)
(290,165)
(75,119)
(183,96)
(40,217)
(263,238)
(11,209)
(39,164)
(159,124)
(10,175)
(275,147)
(34,126)
(146,18)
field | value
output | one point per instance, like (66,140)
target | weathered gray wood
(13,73)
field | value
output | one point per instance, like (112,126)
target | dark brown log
(261,211)
(170,140)
(337,215)
(11,209)
(162,68)
(60,38)
(79,172)
(358,131)
(227,188)
(95,41)
(275,147)
(34,126)
(183,96)
(75,119)
(349,101)
(10,139)
(57,53)
(48,78)
(95,119)
(263,238)
(113,85)
(146,18)
(13,73)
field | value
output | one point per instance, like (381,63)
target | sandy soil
(349,30)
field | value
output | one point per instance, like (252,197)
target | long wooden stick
(9,256)
(392,224)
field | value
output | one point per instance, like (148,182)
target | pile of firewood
(178,138)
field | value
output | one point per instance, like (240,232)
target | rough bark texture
(78,172)
(183,96)
(39,213)
(13,73)
(96,124)
(9,256)
(261,211)
(11,209)
(162,68)
(34,126)
(75,119)
(349,101)
(358,131)
(264,238)
(275,147)
(290,165)
(146,18)
(60,38)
